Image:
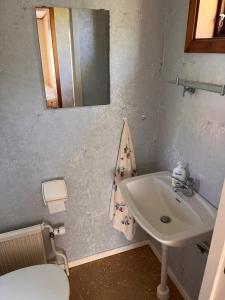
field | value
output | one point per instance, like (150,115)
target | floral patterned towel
(125,168)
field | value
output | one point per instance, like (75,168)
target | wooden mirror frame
(206,45)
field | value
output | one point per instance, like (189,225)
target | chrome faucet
(185,187)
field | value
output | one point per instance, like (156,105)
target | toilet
(40,282)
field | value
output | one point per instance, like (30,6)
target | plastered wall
(80,144)
(191,129)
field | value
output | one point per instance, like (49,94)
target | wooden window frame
(206,45)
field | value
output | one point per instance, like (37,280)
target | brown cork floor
(131,275)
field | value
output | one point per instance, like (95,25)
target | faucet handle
(176,182)
(190,182)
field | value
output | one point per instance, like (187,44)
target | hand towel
(119,214)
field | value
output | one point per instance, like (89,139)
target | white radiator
(21,248)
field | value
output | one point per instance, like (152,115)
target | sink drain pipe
(163,291)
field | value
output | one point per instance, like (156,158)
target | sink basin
(168,216)
(152,201)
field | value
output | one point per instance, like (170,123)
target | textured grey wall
(80,144)
(191,128)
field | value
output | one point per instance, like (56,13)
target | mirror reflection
(74,48)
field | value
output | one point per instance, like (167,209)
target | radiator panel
(21,248)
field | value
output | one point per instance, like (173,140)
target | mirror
(206,26)
(74,50)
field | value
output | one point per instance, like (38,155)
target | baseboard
(127,248)
(170,273)
(107,253)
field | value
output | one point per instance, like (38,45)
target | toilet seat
(41,282)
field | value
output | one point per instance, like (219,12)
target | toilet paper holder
(55,194)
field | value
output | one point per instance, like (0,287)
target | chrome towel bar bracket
(192,86)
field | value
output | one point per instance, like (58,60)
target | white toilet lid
(41,282)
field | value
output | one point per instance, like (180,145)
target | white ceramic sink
(151,196)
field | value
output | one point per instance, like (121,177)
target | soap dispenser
(180,173)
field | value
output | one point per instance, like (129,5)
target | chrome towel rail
(192,86)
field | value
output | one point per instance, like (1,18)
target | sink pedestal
(163,292)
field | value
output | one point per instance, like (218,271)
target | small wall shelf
(192,86)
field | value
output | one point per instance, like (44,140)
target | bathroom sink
(170,217)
